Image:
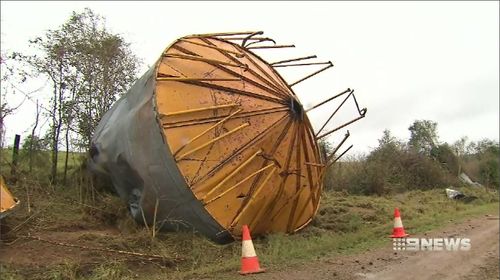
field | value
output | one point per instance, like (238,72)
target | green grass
(345,224)
(41,164)
(74,157)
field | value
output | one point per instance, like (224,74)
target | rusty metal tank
(212,138)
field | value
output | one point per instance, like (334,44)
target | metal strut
(212,141)
(344,125)
(271,47)
(361,112)
(328,100)
(222,34)
(302,64)
(328,160)
(265,39)
(207,130)
(244,42)
(310,75)
(343,153)
(293,60)
(334,112)
(231,175)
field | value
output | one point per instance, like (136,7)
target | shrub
(393,167)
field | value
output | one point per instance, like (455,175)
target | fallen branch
(149,257)
(16,228)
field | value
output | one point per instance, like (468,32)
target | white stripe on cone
(398,223)
(247,250)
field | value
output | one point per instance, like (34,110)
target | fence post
(15,156)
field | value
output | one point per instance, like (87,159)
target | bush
(445,156)
(488,170)
(393,168)
(483,164)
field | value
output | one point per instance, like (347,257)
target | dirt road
(480,262)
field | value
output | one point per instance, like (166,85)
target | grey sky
(406,60)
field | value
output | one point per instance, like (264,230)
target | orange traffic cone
(249,260)
(398,231)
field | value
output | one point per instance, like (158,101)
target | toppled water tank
(209,139)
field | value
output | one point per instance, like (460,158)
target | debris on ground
(454,194)
(465,179)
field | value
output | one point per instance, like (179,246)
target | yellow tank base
(7,201)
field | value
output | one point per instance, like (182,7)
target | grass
(345,224)
(71,270)
(352,224)
(41,163)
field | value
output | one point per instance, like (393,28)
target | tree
(386,139)
(445,155)
(460,146)
(5,110)
(383,164)
(486,152)
(423,136)
(32,150)
(88,68)
(105,66)
(325,148)
(486,146)
(51,59)
(6,90)
(389,147)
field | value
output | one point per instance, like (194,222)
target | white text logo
(431,244)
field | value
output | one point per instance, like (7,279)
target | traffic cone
(398,231)
(249,260)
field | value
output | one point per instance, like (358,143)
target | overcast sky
(406,60)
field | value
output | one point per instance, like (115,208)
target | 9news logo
(431,244)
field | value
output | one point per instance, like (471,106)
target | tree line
(422,162)
(87,68)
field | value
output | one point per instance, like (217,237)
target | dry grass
(345,224)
